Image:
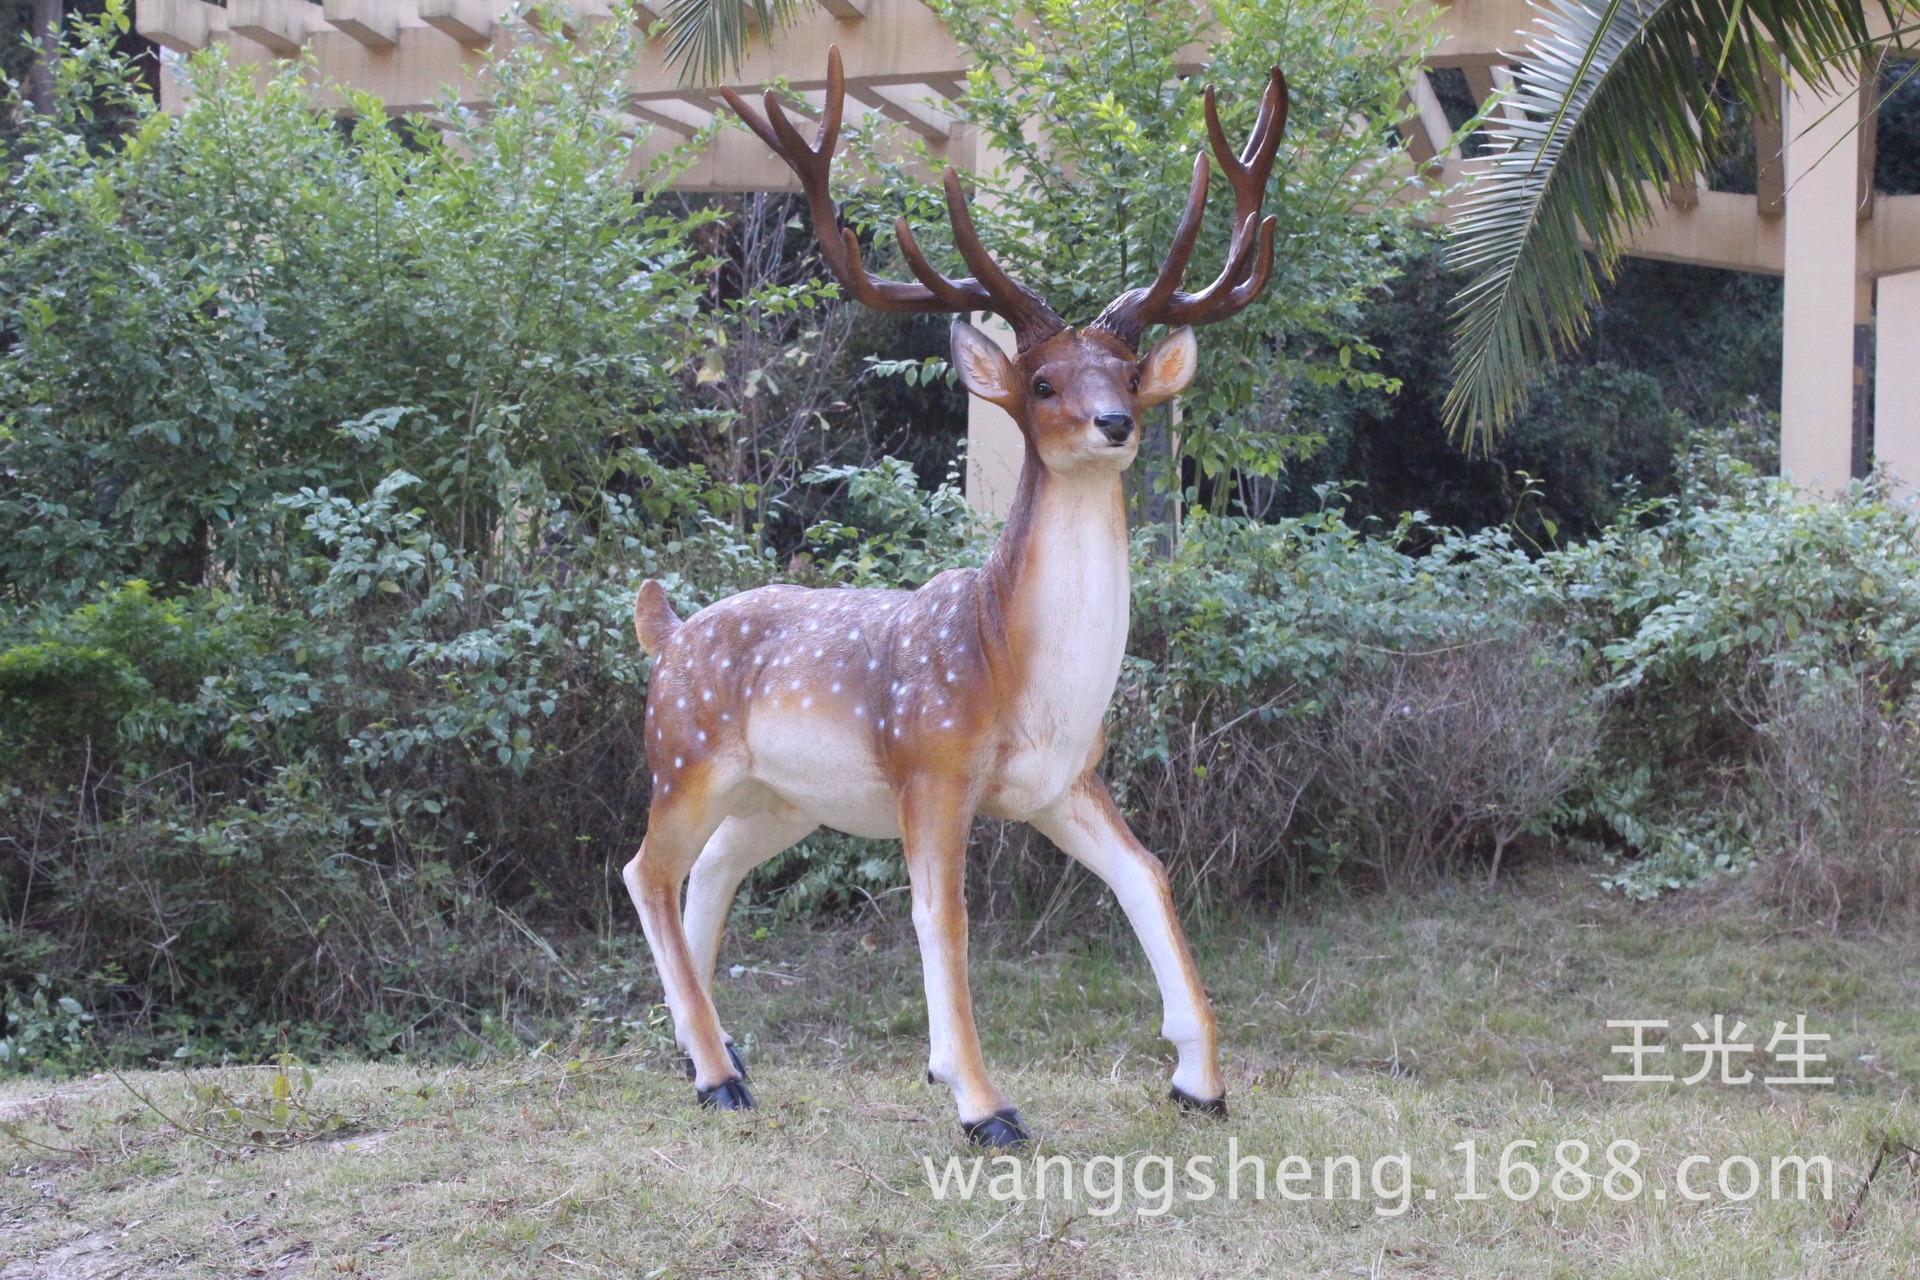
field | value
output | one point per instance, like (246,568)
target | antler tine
(1249,262)
(1032,319)
(1250,254)
(1185,236)
(960,295)
(1248,171)
(991,290)
(813,165)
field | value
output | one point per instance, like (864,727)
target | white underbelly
(826,769)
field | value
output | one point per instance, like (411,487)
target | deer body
(897,713)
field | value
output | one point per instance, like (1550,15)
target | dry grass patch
(1375,1030)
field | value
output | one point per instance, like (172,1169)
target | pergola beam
(374,23)
(468,22)
(903,105)
(180,26)
(280,26)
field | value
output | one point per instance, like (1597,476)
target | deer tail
(654,620)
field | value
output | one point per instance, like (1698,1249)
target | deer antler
(1247,267)
(989,288)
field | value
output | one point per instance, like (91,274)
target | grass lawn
(1372,1028)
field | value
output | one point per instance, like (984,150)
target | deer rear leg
(935,819)
(678,826)
(741,843)
(1089,829)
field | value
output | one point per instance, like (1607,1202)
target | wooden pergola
(1850,257)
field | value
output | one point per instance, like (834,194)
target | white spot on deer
(819,653)
(950,677)
(859,711)
(807,701)
(680,702)
(678,762)
(702,735)
(746,629)
(706,695)
(854,634)
(946,724)
(836,686)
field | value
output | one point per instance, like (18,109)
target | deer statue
(905,713)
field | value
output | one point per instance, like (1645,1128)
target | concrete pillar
(995,447)
(1896,380)
(1820,389)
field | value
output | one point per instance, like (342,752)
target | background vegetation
(331,455)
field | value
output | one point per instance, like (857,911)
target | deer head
(1077,394)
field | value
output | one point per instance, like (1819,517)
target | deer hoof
(1002,1130)
(1217,1108)
(729,1095)
(733,1056)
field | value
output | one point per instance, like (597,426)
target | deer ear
(1169,367)
(984,368)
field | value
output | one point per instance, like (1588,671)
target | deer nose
(1116,426)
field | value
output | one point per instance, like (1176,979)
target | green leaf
(1609,101)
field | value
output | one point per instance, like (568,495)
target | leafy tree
(248,301)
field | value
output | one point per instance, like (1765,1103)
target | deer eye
(1134,386)
(1042,388)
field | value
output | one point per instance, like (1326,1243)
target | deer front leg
(1089,829)
(935,818)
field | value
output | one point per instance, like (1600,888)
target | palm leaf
(1610,96)
(706,38)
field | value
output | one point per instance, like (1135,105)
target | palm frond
(1617,92)
(706,38)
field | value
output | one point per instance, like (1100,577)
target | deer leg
(677,828)
(741,843)
(935,819)
(1089,829)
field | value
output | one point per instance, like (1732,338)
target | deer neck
(1060,580)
